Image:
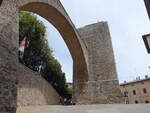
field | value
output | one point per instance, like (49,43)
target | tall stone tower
(103,86)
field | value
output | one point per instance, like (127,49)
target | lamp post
(146,39)
(1,2)
(147,4)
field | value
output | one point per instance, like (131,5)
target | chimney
(137,78)
(146,76)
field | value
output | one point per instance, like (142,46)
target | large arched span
(62,22)
(53,11)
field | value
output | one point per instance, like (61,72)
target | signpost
(146,39)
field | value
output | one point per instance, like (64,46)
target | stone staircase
(139,108)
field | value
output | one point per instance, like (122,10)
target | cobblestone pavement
(139,108)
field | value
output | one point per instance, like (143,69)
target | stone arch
(54,12)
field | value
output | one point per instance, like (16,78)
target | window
(134,92)
(136,102)
(125,94)
(132,84)
(146,101)
(144,90)
(142,82)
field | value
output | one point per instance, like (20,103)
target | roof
(135,81)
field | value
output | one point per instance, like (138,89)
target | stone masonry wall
(34,90)
(103,86)
(8,56)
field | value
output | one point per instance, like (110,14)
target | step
(122,108)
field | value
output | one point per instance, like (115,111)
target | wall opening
(56,15)
(36,52)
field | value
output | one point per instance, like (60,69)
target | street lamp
(146,39)
(1,2)
(147,3)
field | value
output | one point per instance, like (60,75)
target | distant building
(70,85)
(137,91)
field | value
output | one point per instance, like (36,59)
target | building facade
(137,91)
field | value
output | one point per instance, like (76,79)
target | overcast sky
(128,21)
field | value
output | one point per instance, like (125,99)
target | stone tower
(103,86)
